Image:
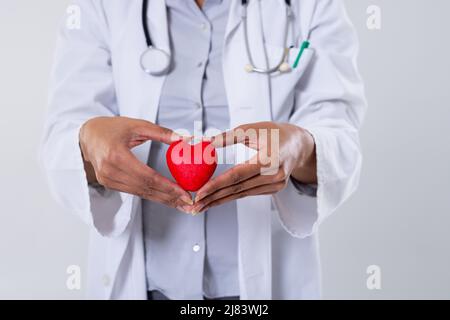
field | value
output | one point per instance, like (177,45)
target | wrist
(88,167)
(81,143)
(305,170)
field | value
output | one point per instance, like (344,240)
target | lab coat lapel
(234,18)
(151,86)
(144,105)
(249,102)
(235,15)
(248,93)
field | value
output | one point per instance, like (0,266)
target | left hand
(290,153)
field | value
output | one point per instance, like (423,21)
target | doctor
(230,64)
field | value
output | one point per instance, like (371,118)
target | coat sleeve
(81,88)
(330,104)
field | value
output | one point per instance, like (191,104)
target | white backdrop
(398,220)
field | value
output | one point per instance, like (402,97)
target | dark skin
(106,144)
(200,2)
(295,157)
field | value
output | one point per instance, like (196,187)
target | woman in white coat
(103,118)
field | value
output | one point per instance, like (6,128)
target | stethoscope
(156,62)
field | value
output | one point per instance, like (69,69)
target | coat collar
(157,20)
(235,16)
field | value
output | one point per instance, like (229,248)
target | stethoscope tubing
(148,38)
(251,67)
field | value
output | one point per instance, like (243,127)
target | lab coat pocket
(274,54)
(284,83)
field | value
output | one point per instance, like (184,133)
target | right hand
(106,144)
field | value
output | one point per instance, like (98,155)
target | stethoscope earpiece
(285,67)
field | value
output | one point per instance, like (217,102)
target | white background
(399,219)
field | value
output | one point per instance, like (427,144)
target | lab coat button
(196,248)
(106,280)
(204,26)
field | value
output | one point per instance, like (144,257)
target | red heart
(191,165)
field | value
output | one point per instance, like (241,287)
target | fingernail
(187,200)
(198,197)
(175,137)
(199,211)
(186,138)
(185,209)
(198,208)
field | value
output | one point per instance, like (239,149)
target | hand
(105,143)
(287,151)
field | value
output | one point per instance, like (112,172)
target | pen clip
(305,45)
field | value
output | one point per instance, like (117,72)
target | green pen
(305,45)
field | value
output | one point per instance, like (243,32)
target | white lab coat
(97,73)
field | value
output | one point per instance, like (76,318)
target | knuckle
(105,170)
(281,175)
(176,190)
(237,188)
(149,181)
(102,180)
(235,176)
(210,200)
(165,132)
(172,202)
(243,195)
(112,156)
(100,167)
(141,195)
(146,194)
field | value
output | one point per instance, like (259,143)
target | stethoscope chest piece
(155,61)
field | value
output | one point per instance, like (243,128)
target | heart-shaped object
(191,165)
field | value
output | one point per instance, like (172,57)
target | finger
(251,183)
(162,184)
(148,194)
(235,175)
(153,132)
(147,177)
(242,134)
(261,190)
(225,139)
